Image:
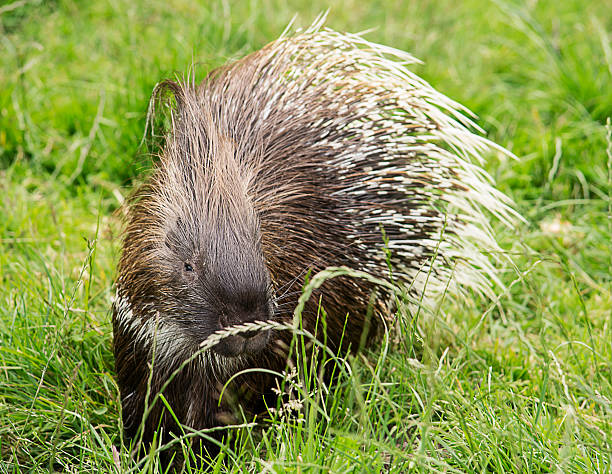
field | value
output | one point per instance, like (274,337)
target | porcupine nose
(245,308)
(238,318)
(250,341)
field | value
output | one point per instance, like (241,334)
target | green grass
(524,385)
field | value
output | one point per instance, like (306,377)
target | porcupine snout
(240,288)
(249,307)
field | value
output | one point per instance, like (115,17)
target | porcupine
(321,149)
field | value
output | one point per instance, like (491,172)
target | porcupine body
(293,159)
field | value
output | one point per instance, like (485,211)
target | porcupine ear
(165,104)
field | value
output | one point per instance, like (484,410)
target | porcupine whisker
(287,295)
(306,269)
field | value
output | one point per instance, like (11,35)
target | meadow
(521,384)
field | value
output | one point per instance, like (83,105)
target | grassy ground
(523,386)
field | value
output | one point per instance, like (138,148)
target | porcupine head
(192,264)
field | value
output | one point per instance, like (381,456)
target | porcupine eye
(189,272)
